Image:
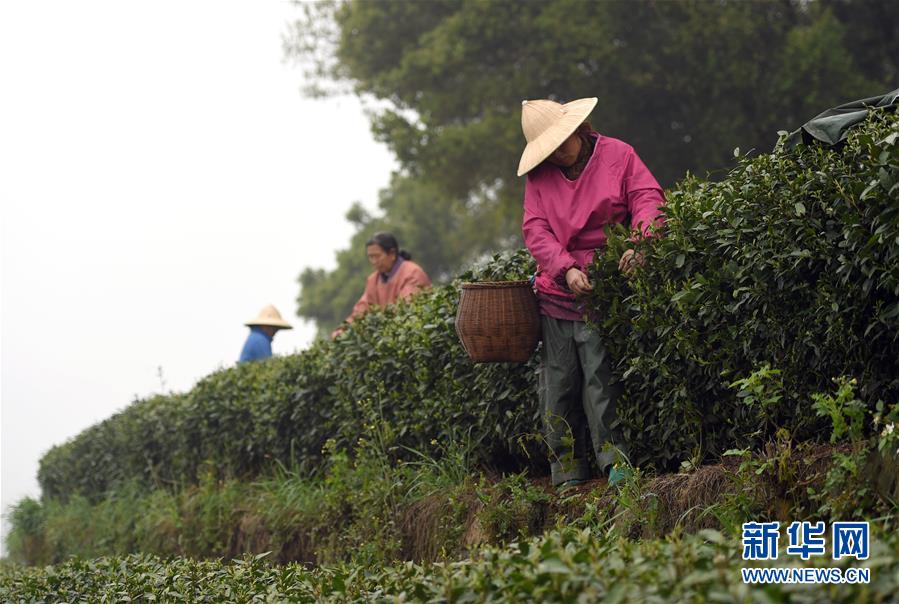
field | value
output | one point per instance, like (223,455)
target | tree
(683,82)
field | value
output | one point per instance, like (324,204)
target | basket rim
(496,284)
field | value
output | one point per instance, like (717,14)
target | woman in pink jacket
(578,181)
(395,276)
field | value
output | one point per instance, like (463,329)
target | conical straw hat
(271,317)
(546,125)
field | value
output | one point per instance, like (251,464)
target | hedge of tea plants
(404,365)
(782,277)
(765,287)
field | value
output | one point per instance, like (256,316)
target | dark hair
(584,132)
(585,128)
(388,243)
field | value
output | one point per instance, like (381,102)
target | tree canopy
(683,82)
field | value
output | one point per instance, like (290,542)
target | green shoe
(618,475)
(568,485)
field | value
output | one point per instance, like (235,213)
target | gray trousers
(576,396)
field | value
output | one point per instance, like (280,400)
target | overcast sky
(162,180)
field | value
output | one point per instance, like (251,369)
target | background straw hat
(271,317)
(546,125)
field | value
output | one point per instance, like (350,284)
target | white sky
(161,180)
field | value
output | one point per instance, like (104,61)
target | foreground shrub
(565,566)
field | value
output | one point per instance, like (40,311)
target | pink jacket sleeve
(644,196)
(361,307)
(550,255)
(358,310)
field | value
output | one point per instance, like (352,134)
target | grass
(375,507)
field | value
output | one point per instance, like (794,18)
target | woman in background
(395,276)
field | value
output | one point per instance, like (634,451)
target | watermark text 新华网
(806,540)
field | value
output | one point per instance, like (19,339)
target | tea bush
(232,421)
(404,365)
(791,262)
(790,265)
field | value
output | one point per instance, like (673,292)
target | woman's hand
(629,259)
(577,281)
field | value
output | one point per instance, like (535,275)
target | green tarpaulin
(832,126)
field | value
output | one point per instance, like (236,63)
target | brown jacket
(408,279)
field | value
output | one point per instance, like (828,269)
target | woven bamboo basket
(498,321)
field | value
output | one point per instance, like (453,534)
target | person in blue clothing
(262,330)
